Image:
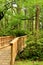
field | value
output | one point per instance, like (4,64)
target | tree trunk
(18,12)
(37,23)
(37,18)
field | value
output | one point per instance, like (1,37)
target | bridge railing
(9,52)
(17,45)
(4,40)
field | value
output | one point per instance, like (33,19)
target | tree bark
(37,23)
(37,18)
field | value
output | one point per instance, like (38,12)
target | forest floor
(27,62)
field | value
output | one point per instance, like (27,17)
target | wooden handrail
(15,44)
(12,43)
(4,46)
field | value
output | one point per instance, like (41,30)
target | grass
(27,62)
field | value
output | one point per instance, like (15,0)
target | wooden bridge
(9,47)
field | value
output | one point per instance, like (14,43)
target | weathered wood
(11,63)
(9,52)
(17,45)
(13,50)
(4,40)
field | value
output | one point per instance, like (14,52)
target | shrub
(32,51)
(19,32)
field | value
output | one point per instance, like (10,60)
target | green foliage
(32,51)
(12,24)
(28,62)
(19,32)
(13,32)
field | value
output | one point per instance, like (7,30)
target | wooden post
(12,61)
